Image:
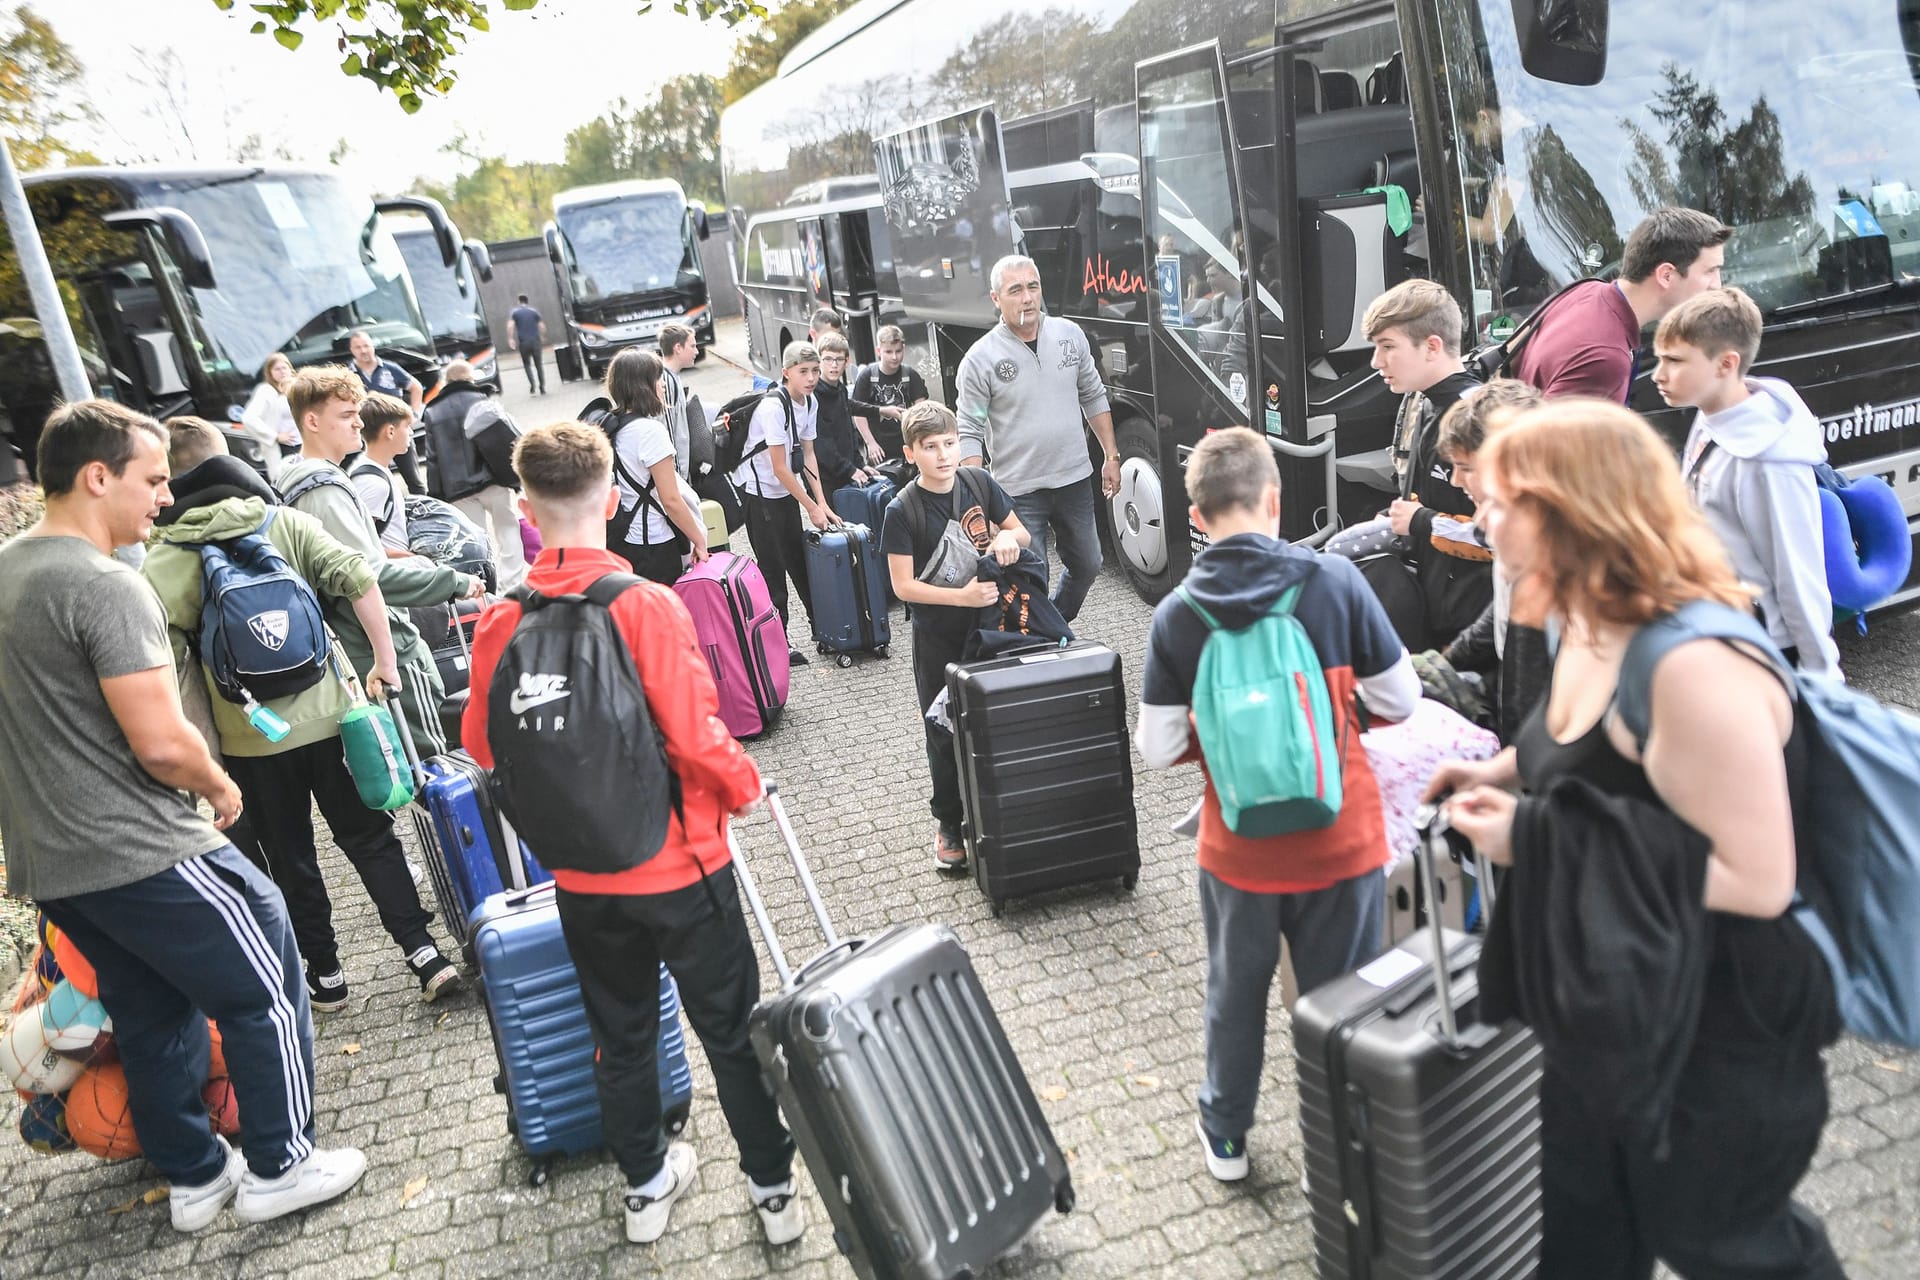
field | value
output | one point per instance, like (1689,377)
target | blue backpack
(1859,865)
(262,635)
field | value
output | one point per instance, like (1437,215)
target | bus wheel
(1136,513)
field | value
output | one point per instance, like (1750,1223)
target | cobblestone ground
(1099,989)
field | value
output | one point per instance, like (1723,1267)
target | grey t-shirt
(77,812)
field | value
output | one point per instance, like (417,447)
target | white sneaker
(320,1177)
(647,1215)
(781,1214)
(195,1208)
(1226,1157)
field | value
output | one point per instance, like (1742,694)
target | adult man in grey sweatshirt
(1024,389)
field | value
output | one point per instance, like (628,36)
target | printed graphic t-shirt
(955,532)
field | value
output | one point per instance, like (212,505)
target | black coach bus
(626,260)
(1215,189)
(450,296)
(179,283)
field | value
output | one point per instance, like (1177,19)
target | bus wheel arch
(1136,523)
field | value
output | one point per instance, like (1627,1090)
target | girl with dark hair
(658,523)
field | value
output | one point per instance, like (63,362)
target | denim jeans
(1067,513)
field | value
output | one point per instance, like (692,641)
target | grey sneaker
(647,1215)
(321,1177)
(195,1208)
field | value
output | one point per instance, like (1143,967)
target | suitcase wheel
(881,652)
(820,646)
(676,1120)
(844,660)
(1128,881)
(994,905)
(1063,1198)
(537,1176)
(500,1086)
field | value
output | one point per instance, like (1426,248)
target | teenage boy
(785,421)
(843,444)
(1415,330)
(890,384)
(390,379)
(98,770)
(680,907)
(823,321)
(1749,463)
(678,350)
(1588,342)
(386,429)
(222,499)
(932,560)
(326,406)
(1322,889)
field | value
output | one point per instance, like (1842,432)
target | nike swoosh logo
(519,703)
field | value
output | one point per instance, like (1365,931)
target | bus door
(1218,335)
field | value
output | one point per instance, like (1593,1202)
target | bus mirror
(444,233)
(699,213)
(184,240)
(480,259)
(1563,40)
(550,236)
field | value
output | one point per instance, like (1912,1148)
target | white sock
(657,1186)
(762,1194)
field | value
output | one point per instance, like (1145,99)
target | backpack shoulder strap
(368,467)
(1699,620)
(1213,624)
(314,480)
(609,587)
(1510,349)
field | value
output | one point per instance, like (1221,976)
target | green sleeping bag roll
(374,758)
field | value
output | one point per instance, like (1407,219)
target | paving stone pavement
(1100,991)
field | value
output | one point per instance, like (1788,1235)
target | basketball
(97,1114)
(217,1059)
(43,1125)
(223,1109)
(28,1061)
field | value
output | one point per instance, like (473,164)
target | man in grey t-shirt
(97,769)
(1023,390)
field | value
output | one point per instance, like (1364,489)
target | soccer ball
(75,1024)
(97,1113)
(43,1125)
(28,1059)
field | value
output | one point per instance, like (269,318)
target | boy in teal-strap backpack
(1264,646)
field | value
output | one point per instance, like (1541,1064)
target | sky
(521,86)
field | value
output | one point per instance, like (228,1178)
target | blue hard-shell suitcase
(847,579)
(540,1031)
(460,833)
(865,504)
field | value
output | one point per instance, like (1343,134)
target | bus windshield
(447,296)
(626,245)
(1796,124)
(300,260)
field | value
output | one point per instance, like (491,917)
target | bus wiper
(595,204)
(1828,300)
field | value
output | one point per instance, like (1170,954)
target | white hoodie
(1756,486)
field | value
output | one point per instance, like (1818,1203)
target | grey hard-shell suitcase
(915,1119)
(1421,1124)
(1046,773)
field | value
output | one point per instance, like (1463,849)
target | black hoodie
(219,477)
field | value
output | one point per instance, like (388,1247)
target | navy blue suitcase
(865,504)
(847,577)
(540,1031)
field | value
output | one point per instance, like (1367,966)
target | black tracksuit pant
(932,651)
(779,546)
(618,943)
(280,792)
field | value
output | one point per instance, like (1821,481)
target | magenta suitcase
(738,630)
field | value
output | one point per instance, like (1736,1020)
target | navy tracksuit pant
(207,938)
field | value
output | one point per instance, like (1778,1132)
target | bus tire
(1135,515)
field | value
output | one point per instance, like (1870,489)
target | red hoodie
(717,777)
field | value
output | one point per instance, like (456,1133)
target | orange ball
(73,966)
(223,1108)
(97,1113)
(217,1062)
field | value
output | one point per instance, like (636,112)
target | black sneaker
(795,658)
(327,992)
(436,973)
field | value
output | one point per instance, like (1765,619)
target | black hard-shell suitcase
(915,1119)
(1046,776)
(1421,1124)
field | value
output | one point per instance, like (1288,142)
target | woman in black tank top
(1587,514)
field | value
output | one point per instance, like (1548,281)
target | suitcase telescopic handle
(407,749)
(757,904)
(1428,850)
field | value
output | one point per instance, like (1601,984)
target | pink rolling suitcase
(742,637)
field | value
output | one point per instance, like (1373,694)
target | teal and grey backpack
(1274,749)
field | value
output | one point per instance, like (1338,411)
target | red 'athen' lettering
(1102,278)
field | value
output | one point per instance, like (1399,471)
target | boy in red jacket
(681,906)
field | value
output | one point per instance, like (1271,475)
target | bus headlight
(593,337)
(486,369)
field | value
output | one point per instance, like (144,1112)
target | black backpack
(579,765)
(612,423)
(700,453)
(735,423)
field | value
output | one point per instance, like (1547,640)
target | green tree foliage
(675,135)
(494,200)
(408,47)
(757,56)
(40,80)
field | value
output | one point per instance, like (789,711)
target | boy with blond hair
(386,429)
(1749,463)
(1321,889)
(892,386)
(681,907)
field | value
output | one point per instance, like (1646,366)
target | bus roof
(614,190)
(124,174)
(841,26)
